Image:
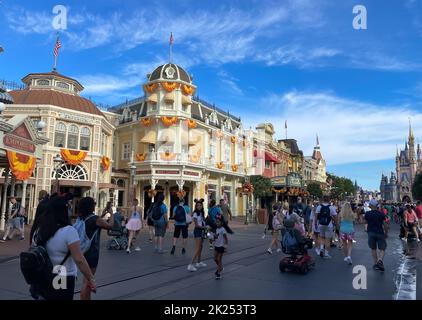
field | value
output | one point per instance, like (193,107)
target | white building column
(24,185)
(3,207)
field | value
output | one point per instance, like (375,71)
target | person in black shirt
(93,226)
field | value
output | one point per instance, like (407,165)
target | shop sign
(278,181)
(191,173)
(167,171)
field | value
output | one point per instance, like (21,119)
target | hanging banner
(150,88)
(72,156)
(188,90)
(21,165)
(169,86)
(146,122)
(169,121)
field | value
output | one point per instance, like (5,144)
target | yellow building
(172,142)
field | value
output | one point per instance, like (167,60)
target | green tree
(417,187)
(341,187)
(314,189)
(262,186)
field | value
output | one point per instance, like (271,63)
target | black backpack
(324,216)
(36,266)
(180,214)
(156,212)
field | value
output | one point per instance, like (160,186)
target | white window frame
(126,151)
(62,132)
(69,132)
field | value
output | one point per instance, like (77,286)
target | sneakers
(183,251)
(380,265)
(200,265)
(137,249)
(348,260)
(317,251)
(270,251)
(23,238)
(321,253)
(217,275)
(263,236)
(211,247)
(172,250)
(192,268)
(128,250)
(278,250)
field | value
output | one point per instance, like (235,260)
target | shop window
(60,135)
(85,139)
(72,137)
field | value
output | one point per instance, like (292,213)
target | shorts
(325,231)
(376,240)
(219,249)
(349,236)
(178,229)
(15,223)
(160,229)
(198,233)
(150,222)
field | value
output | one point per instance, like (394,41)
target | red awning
(270,157)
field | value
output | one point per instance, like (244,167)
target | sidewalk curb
(4,260)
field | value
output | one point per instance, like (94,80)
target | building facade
(78,153)
(173,142)
(315,168)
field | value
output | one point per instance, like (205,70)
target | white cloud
(106,84)
(230,82)
(349,130)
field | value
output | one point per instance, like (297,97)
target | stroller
(296,247)
(119,234)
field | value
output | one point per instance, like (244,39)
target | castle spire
(411,136)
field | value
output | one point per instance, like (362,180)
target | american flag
(57,46)
(285,124)
(171,38)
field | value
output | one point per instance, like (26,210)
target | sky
(299,61)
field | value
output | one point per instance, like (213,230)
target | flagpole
(171,45)
(55,56)
(285,128)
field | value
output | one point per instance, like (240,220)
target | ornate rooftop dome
(170,72)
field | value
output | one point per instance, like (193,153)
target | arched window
(72,137)
(85,139)
(70,172)
(60,135)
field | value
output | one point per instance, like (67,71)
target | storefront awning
(150,137)
(270,157)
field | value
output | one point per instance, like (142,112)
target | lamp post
(58,161)
(132,168)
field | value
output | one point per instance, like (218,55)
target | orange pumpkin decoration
(150,88)
(21,165)
(233,139)
(72,156)
(141,157)
(219,134)
(146,122)
(191,123)
(220,165)
(188,90)
(105,162)
(170,86)
(234,167)
(169,121)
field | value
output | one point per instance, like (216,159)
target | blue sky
(294,60)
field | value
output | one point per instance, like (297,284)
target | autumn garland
(220,165)
(22,165)
(234,167)
(188,90)
(141,157)
(233,140)
(150,88)
(105,162)
(72,156)
(167,156)
(170,86)
(169,121)
(146,122)
(191,123)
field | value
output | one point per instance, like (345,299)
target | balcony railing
(184,158)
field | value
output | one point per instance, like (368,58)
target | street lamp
(58,161)
(132,177)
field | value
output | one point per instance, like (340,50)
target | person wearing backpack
(326,215)
(57,242)
(213,212)
(14,221)
(134,225)
(160,218)
(89,227)
(199,231)
(181,216)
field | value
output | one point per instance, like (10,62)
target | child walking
(347,231)
(220,246)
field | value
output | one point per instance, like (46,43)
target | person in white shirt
(61,240)
(326,216)
(198,218)
(220,246)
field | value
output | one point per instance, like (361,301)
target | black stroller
(119,234)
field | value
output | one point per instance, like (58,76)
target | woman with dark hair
(53,229)
(198,218)
(93,226)
(213,212)
(160,224)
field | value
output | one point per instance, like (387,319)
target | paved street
(249,273)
